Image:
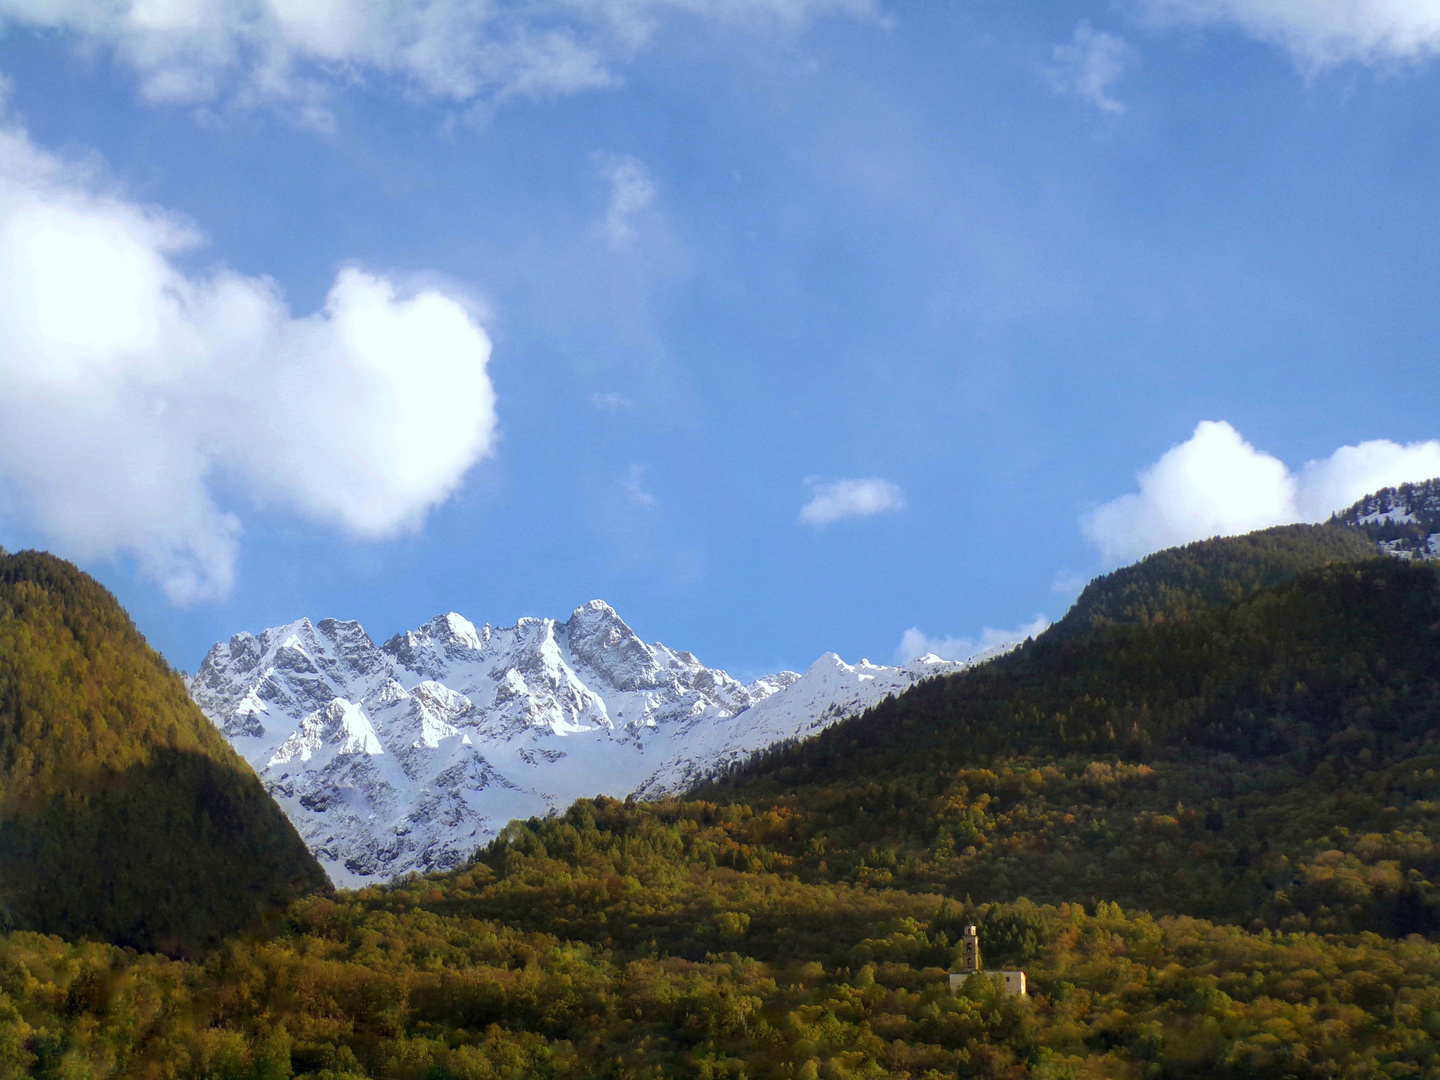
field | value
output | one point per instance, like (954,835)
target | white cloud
(1090,64)
(248,51)
(634,487)
(829,502)
(1352,472)
(631,190)
(127,385)
(915,642)
(1321,33)
(1217,484)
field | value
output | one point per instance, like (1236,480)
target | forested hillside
(1210,839)
(606,945)
(124,815)
(1271,763)
(1177,582)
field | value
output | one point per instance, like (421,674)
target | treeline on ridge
(1181,581)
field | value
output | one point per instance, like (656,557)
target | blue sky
(1003,294)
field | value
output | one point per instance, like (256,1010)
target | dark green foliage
(608,945)
(1013,935)
(124,815)
(1178,582)
(1280,673)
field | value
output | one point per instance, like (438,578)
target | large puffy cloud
(1216,484)
(1322,33)
(127,385)
(200,50)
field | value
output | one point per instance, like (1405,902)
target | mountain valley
(408,756)
(411,755)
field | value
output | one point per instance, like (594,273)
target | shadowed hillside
(124,815)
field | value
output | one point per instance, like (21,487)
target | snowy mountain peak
(286,671)
(601,641)
(459,630)
(597,610)
(443,639)
(409,756)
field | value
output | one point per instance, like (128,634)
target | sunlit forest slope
(1269,763)
(1208,837)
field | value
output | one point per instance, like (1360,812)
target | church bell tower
(970,950)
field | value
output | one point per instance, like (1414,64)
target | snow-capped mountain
(1404,521)
(410,755)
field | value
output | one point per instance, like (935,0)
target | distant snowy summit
(410,755)
(1404,521)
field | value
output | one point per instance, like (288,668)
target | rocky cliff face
(408,756)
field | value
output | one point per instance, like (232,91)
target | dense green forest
(1204,822)
(1272,761)
(1177,582)
(655,964)
(124,814)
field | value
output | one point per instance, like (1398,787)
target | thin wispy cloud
(128,383)
(198,52)
(916,643)
(830,502)
(1217,484)
(1320,33)
(611,401)
(631,191)
(1089,65)
(633,485)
